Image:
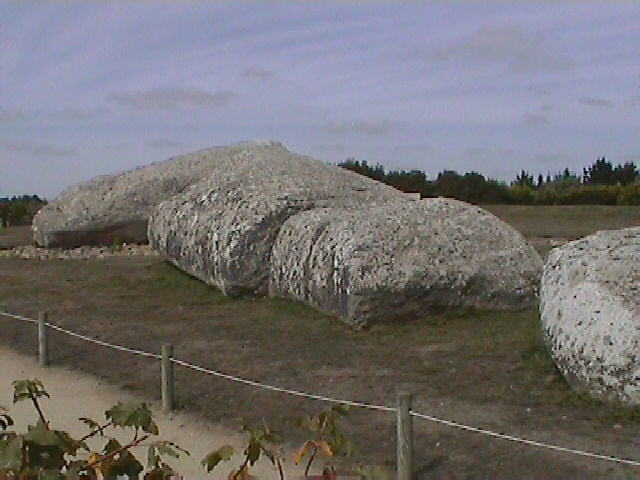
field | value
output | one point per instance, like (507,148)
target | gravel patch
(32,252)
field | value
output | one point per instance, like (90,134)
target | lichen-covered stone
(399,260)
(115,208)
(590,311)
(222,229)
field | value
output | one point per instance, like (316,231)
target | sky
(93,88)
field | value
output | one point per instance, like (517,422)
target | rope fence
(403,410)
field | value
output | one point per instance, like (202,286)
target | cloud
(531,118)
(115,146)
(328,148)
(538,91)
(366,127)
(72,113)
(419,147)
(39,149)
(163,143)
(476,151)
(595,102)
(257,73)
(520,51)
(556,159)
(171,98)
(13,115)
(545,107)
(67,113)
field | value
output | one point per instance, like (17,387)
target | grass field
(566,221)
(487,369)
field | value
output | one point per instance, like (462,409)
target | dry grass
(565,221)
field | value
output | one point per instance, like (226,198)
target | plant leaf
(91,423)
(324,447)
(5,421)
(25,389)
(253,451)
(241,475)
(303,451)
(222,454)
(125,464)
(39,434)
(132,415)
(11,453)
(111,446)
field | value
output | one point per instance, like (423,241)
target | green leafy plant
(42,452)
(328,438)
(261,441)
(117,244)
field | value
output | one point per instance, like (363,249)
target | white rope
(525,441)
(337,400)
(100,342)
(283,390)
(18,317)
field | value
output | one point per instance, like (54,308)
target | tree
(626,174)
(19,210)
(363,168)
(524,179)
(600,173)
(412,181)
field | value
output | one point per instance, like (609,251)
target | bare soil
(486,369)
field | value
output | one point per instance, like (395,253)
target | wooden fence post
(167,378)
(405,436)
(43,342)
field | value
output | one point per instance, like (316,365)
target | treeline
(19,210)
(601,183)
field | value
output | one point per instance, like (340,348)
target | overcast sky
(94,88)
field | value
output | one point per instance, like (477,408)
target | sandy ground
(75,394)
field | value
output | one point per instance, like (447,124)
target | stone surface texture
(388,262)
(222,229)
(115,208)
(590,312)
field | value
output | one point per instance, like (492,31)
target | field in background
(565,221)
(14,236)
(549,226)
(488,369)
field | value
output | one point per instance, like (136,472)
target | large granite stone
(590,311)
(399,260)
(222,229)
(116,207)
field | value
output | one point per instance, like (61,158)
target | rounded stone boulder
(398,261)
(116,207)
(590,312)
(221,230)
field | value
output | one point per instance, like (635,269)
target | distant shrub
(630,195)
(582,195)
(593,195)
(522,194)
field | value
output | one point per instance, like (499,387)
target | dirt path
(75,394)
